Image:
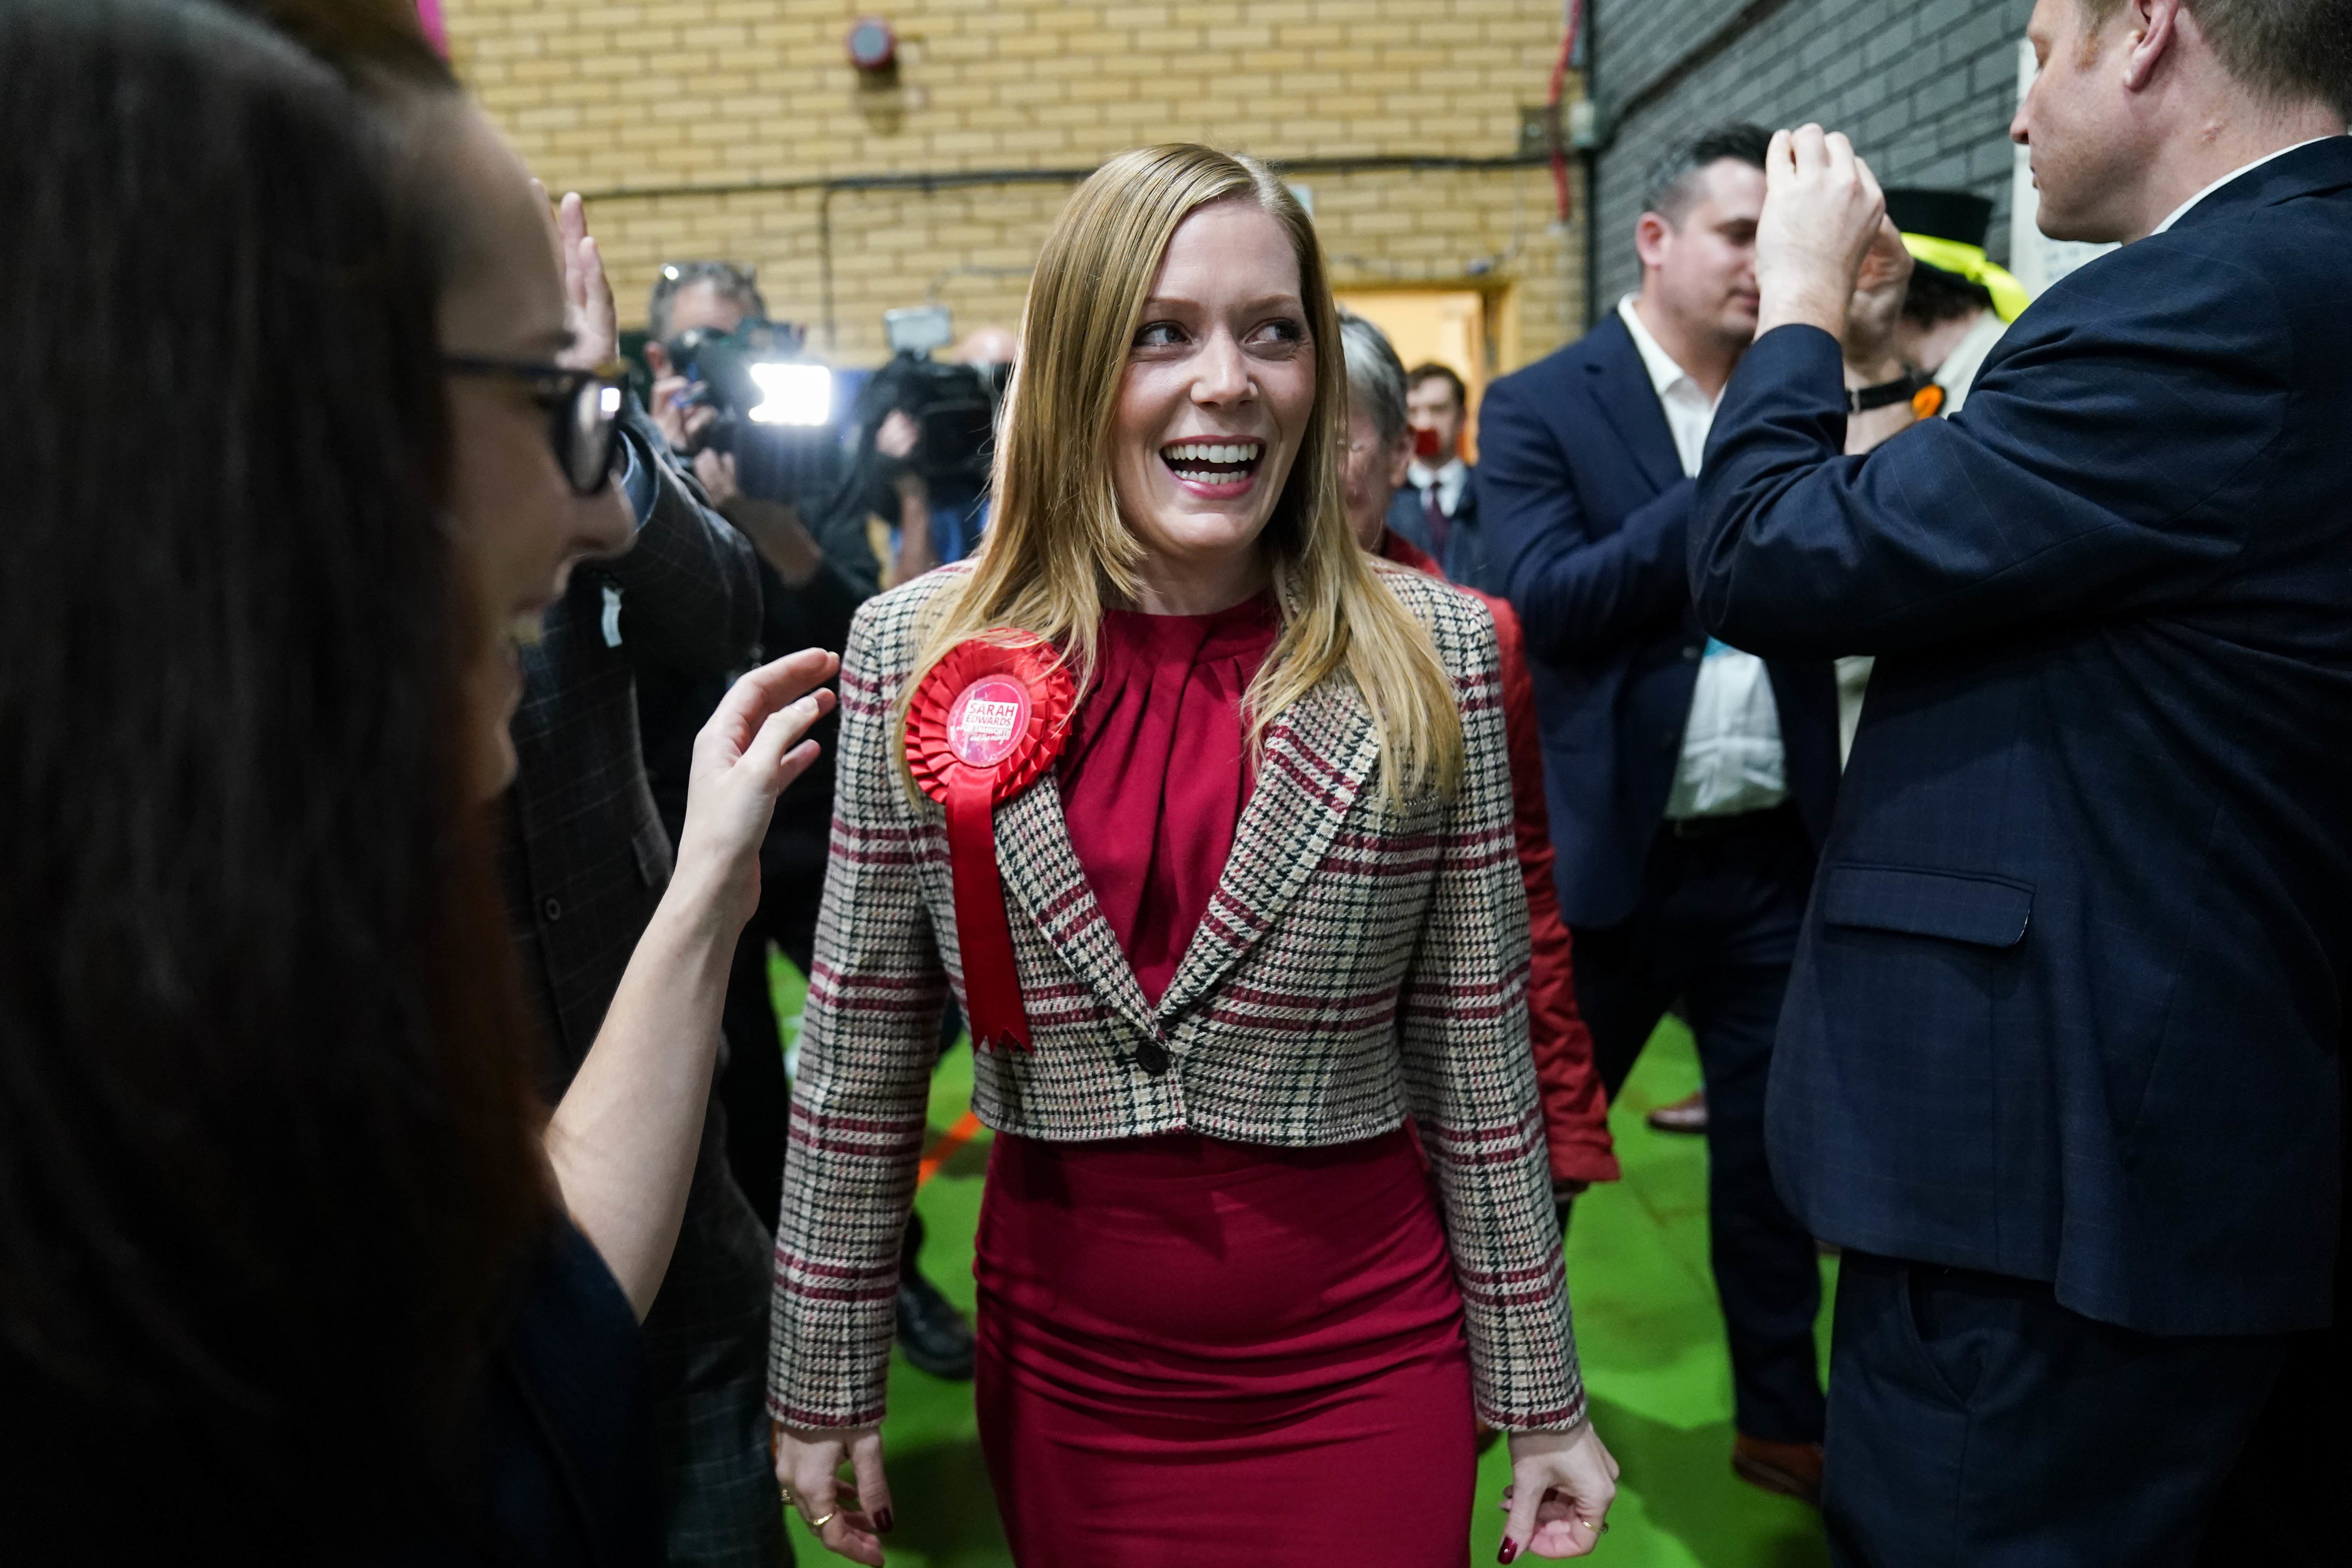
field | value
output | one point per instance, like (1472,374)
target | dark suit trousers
(1716,926)
(1975,1423)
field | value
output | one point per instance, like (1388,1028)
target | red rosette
(984,725)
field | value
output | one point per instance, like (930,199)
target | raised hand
(588,307)
(745,755)
(1875,307)
(1824,212)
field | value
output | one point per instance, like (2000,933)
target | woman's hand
(808,1467)
(750,751)
(1561,1486)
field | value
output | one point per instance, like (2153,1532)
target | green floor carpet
(1646,1324)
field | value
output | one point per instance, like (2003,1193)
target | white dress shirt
(1448,479)
(1732,756)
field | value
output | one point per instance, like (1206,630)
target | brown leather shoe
(1687,1114)
(1792,1470)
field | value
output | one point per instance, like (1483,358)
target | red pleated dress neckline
(1156,769)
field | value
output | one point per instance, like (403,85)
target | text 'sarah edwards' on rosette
(984,725)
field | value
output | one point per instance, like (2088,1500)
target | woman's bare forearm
(622,1141)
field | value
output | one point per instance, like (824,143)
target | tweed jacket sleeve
(1470,1079)
(869,1035)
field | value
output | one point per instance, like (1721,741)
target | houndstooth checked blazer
(1357,965)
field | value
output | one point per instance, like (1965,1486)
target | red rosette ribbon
(984,725)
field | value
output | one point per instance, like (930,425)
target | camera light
(792,394)
(608,402)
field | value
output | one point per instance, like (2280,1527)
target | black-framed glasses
(584,409)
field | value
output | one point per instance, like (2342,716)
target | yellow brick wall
(629,101)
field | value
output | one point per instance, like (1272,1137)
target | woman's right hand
(808,1467)
(1561,1486)
(751,748)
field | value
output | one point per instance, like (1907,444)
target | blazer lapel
(1318,759)
(1621,385)
(1042,875)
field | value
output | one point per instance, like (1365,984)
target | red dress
(1193,1352)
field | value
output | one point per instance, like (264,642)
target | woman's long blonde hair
(1055,552)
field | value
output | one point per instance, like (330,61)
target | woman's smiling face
(1216,402)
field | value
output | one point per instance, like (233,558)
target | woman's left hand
(743,758)
(1561,1486)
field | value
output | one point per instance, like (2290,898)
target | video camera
(775,405)
(755,373)
(953,405)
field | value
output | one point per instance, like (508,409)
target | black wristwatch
(1862,399)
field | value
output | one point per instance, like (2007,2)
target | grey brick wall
(1925,89)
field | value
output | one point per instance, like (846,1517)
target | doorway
(1454,326)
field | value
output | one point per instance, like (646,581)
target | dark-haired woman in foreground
(291,1264)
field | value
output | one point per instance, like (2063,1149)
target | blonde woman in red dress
(1205,816)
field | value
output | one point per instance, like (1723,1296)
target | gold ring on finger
(791,1498)
(828,1519)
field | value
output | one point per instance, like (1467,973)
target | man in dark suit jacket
(586,859)
(1436,509)
(2061,1058)
(1688,782)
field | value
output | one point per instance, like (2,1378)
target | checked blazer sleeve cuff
(868,1038)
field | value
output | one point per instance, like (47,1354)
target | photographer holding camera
(922,433)
(703,318)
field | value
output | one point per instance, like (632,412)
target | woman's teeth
(1212,460)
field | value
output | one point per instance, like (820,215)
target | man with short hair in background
(2062,1066)
(1436,509)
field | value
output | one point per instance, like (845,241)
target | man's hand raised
(588,307)
(1822,213)
(1875,308)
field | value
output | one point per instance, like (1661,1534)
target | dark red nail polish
(883,1522)
(1510,1550)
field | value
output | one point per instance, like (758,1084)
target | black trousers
(1975,1423)
(1717,926)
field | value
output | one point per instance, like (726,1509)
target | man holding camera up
(694,303)
(921,432)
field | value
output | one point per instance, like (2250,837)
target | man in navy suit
(1436,509)
(2062,1060)
(1689,782)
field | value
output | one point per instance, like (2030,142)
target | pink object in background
(429,12)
